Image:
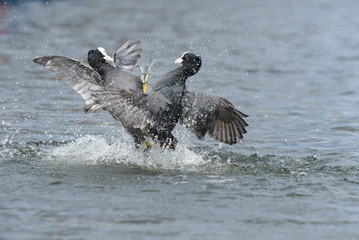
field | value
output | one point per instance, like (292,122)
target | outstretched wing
(131,108)
(213,115)
(134,109)
(126,55)
(80,77)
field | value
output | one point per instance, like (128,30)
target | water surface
(292,66)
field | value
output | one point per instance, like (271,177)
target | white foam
(93,150)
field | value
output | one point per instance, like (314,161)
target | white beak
(108,58)
(179,60)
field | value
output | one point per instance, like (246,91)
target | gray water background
(293,66)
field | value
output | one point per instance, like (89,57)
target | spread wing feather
(216,116)
(80,77)
(131,108)
(126,55)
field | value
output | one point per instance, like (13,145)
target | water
(293,66)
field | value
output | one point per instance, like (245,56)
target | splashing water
(97,150)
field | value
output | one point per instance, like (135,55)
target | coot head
(98,57)
(191,63)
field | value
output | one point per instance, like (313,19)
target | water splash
(200,158)
(98,150)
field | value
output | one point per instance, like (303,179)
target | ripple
(346,128)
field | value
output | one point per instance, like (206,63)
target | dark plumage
(108,85)
(116,71)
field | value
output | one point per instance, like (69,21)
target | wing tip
(228,133)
